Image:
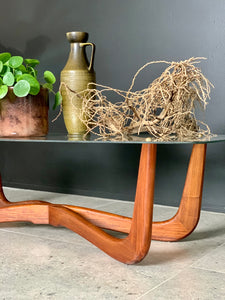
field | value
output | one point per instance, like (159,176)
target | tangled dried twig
(165,109)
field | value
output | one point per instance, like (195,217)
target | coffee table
(140,229)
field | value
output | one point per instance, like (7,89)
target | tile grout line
(161,283)
(206,254)
(146,293)
(187,266)
(210,270)
(44,238)
(104,205)
(76,195)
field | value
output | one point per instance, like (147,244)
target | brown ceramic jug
(76,75)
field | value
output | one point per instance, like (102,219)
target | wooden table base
(140,229)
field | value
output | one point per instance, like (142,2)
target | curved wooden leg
(136,245)
(187,216)
(129,250)
(176,228)
(3,200)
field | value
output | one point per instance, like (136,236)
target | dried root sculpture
(165,109)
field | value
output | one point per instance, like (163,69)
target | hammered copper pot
(24,116)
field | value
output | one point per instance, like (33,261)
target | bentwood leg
(187,216)
(131,249)
(135,246)
(185,220)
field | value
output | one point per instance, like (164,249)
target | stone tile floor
(43,262)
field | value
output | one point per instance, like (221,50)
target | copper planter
(24,116)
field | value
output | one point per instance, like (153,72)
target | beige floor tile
(167,258)
(57,198)
(213,261)
(191,284)
(35,268)
(44,262)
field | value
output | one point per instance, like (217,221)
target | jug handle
(92,53)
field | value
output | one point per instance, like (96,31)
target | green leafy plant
(21,74)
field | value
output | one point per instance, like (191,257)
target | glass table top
(91,138)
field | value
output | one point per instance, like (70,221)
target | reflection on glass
(78,137)
(132,139)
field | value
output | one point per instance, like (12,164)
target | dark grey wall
(127,34)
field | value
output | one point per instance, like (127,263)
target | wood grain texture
(176,228)
(140,228)
(135,246)
(187,216)
(130,249)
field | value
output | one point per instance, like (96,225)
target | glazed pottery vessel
(24,116)
(75,76)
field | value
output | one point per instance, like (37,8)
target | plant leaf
(58,100)
(1,66)
(5,70)
(17,72)
(21,88)
(49,77)
(9,79)
(4,57)
(15,61)
(23,69)
(34,84)
(31,62)
(3,91)
(48,86)
(32,71)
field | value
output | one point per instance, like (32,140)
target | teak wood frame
(140,229)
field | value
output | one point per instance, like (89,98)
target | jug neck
(77,58)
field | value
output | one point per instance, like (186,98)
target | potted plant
(23,99)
